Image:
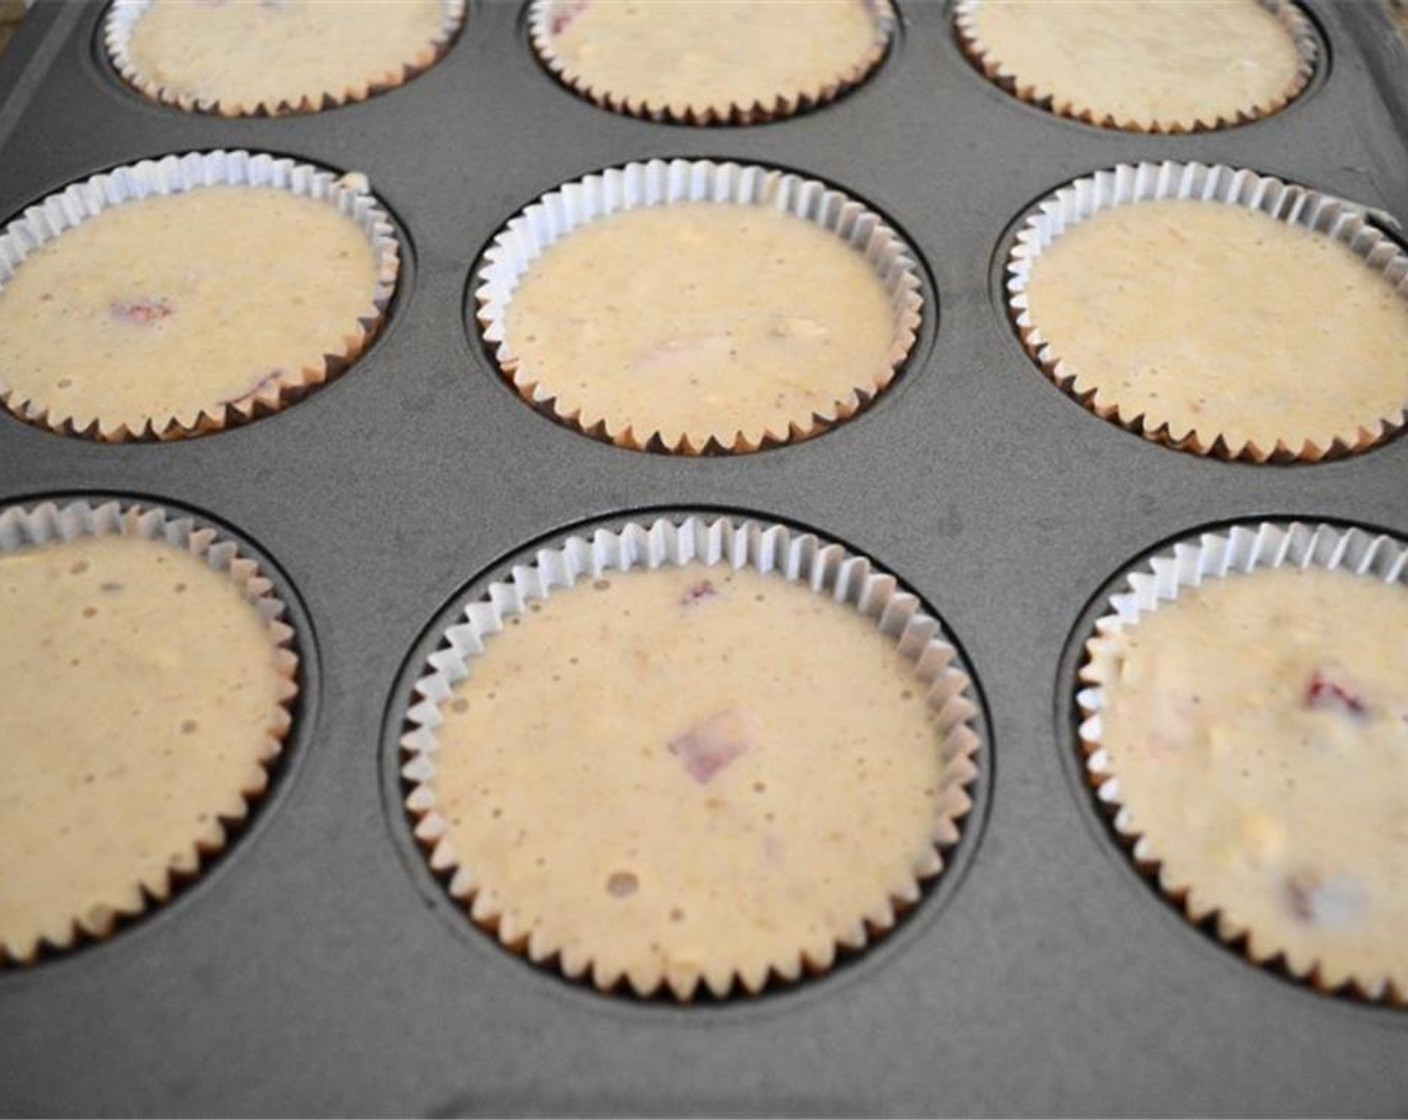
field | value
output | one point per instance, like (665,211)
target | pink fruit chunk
(1326,694)
(142,311)
(698,592)
(708,747)
(564,13)
(1177,724)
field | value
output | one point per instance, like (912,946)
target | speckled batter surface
(685,774)
(174,305)
(247,53)
(696,54)
(1143,62)
(1258,729)
(1222,320)
(140,696)
(701,320)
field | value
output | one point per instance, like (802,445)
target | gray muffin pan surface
(318,968)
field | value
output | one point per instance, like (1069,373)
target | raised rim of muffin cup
(122,17)
(1127,184)
(654,183)
(723,113)
(34,524)
(1290,15)
(349,194)
(738,542)
(1160,578)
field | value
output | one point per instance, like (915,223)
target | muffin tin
(320,968)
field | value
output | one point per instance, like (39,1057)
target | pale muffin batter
(248,53)
(180,304)
(1143,62)
(140,697)
(697,54)
(1258,729)
(682,774)
(701,320)
(1222,320)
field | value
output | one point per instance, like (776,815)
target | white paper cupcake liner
(1160,580)
(123,15)
(171,175)
(1129,184)
(1297,25)
(785,103)
(24,527)
(660,183)
(799,557)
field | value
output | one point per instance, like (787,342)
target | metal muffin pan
(321,970)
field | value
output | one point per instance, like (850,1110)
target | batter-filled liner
(722,545)
(661,184)
(985,59)
(1152,586)
(27,527)
(124,15)
(546,18)
(348,195)
(1132,184)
